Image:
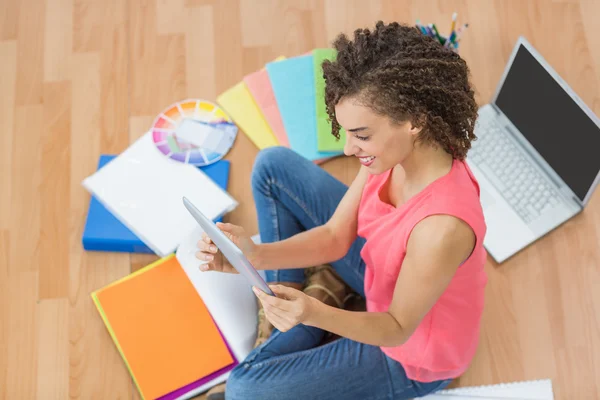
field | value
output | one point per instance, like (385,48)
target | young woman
(407,235)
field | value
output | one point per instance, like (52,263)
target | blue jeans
(293,195)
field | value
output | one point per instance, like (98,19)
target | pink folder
(259,85)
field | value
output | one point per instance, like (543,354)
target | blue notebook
(293,80)
(104,232)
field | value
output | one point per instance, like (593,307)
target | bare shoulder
(441,237)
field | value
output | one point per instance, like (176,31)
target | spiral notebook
(525,390)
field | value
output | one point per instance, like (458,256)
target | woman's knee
(240,384)
(267,162)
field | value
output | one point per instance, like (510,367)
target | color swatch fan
(194,132)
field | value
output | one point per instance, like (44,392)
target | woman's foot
(324,284)
(216,393)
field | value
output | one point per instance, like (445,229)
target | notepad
(525,390)
(104,232)
(143,189)
(240,105)
(293,85)
(325,140)
(162,328)
(260,88)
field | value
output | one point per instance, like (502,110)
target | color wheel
(194,131)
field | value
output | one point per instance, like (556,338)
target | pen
(436,33)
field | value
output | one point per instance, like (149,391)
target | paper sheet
(143,189)
(239,104)
(293,85)
(229,299)
(198,133)
(325,140)
(525,390)
(260,88)
(164,329)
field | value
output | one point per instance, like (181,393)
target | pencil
(453,25)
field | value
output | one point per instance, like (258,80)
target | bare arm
(435,249)
(320,245)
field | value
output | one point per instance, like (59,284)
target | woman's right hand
(208,251)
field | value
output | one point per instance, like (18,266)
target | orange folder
(162,328)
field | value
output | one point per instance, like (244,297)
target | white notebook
(144,189)
(525,390)
(235,317)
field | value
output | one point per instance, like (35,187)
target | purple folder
(196,384)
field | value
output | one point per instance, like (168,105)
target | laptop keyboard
(514,177)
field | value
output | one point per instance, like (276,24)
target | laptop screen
(551,121)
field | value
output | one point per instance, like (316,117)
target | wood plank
(5,300)
(96,368)
(9,17)
(8,76)
(138,126)
(486,55)
(228,36)
(54,189)
(255,58)
(297,30)
(114,75)
(531,276)
(22,324)
(25,212)
(257,20)
(200,70)
(53,352)
(589,10)
(85,136)
(154,56)
(58,40)
(501,351)
(30,52)
(346,16)
(171,16)
(88,25)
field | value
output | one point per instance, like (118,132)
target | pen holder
(450,41)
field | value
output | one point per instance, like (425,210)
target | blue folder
(104,232)
(293,82)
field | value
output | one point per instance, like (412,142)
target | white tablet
(233,253)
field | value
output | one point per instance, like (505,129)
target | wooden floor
(80,78)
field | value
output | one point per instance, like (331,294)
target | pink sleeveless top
(445,342)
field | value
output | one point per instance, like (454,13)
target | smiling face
(378,142)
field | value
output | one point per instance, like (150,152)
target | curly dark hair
(407,76)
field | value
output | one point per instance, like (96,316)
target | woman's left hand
(290,308)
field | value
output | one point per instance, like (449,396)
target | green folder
(325,140)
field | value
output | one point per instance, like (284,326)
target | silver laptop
(537,156)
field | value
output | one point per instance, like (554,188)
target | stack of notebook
(136,203)
(104,232)
(283,105)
